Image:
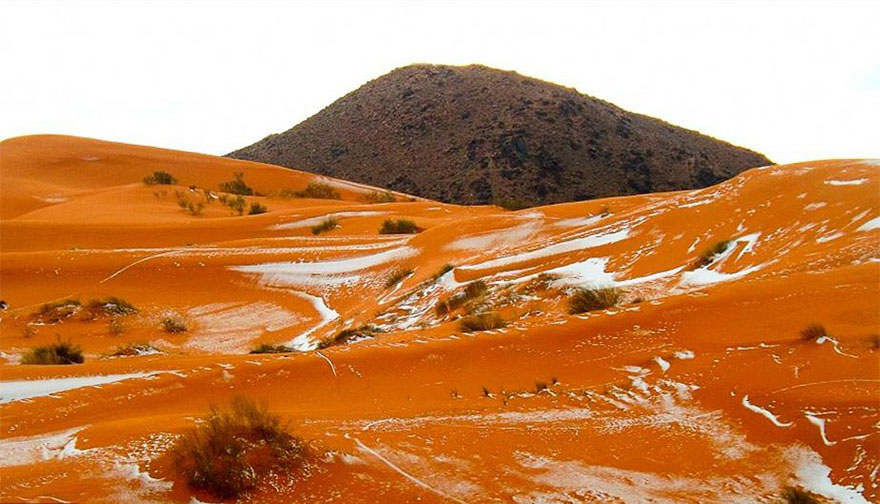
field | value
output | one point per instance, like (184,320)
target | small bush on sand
(315,190)
(399,226)
(584,300)
(379,197)
(57,311)
(234,448)
(174,324)
(237,185)
(398,275)
(109,307)
(135,349)
(364,331)
(160,178)
(257,209)
(446,268)
(708,255)
(471,291)
(481,322)
(236,204)
(62,352)
(266,348)
(325,225)
(813,332)
(793,495)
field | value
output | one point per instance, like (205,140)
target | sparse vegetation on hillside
(160,178)
(315,190)
(399,226)
(708,255)
(61,352)
(398,275)
(325,225)
(57,311)
(236,447)
(585,300)
(257,208)
(813,332)
(236,203)
(194,206)
(174,324)
(481,322)
(237,186)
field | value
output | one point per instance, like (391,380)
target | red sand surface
(698,387)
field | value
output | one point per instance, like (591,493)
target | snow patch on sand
(858,181)
(303,342)
(229,328)
(763,412)
(26,450)
(28,389)
(870,225)
(314,221)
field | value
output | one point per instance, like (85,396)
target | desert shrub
(58,311)
(268,349)
(708,255)
(379,197)
(446,268)
(111,307)
(481,322)
(160,178)
(792,495)
(599,298)
(325,225)
(174,324)
(364,331)
(236,204)
(62,352)
(135,349)
(234,448)
(813,332)
(237,185)
(257,208)
(512,204)
(115,326)
(398,275)
(315,190)
(399,226)
(193,207)
(471,291)
(874,341)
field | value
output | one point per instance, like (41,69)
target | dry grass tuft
(585,300)
(813,332)
(481,322)
(62,352)
(236,447)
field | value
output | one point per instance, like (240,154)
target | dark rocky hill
(476,135)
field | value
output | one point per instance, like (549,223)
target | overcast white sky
(796,81)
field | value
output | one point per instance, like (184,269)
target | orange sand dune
(697,387)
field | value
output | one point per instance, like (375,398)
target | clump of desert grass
(174,324)
(237,185)
(397,276)
(134,350)
(347,335)
(399,226)
(266,348)
(481,322)
(325,225)
(160,178)
(257,208)
(598,298)
(61,352)
(379,197)
(315,190)
(235,448)
(107,307)
(471,291)
(797,495)
(813,332)
(57,311)
(709,255)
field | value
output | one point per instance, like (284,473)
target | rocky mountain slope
(474,135)
(737,359)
